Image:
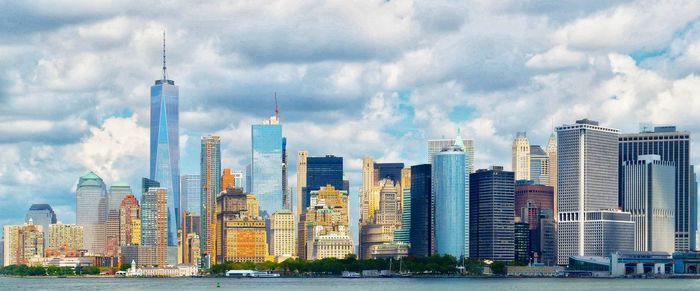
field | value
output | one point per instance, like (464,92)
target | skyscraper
(41,214)
(552,156)
(129,211)
(521,157)
(116,194)
(530,199)
(282,232)
(22,242)
(227,179)
(327,215)
(390,171)
(165,146)
(154,223)
(68,237)
(450,203)
(672,146)
(90,211)
(587,166)
(322,171)
(403,234)
(210,164)
(266,165)
(491,202)
(239,236)
(421,231)
(286,200)
(539,165)
(238,179)
(301,182)
(191,194)
(366,209)
(436,146)
(522,242)
(649,194)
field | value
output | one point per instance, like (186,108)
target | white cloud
(117,150)
(556,58)
(639,25)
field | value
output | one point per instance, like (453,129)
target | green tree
(125,266)
(499,268)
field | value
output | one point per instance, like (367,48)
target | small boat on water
(351,275)
(251,274)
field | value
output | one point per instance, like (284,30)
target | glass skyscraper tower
(450,201)
(165,146)
(266,166)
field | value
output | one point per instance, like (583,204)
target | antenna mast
(165,77)
(277,111)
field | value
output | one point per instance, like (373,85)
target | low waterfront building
(623,263)
(534,271)
(686,263)
(389,250)
(165,271)
(333,245)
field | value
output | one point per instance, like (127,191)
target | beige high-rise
(301,180)
(282,232)
(521,157)
(366,189)
(67,236)
(552,154)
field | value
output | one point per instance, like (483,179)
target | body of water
(336,284)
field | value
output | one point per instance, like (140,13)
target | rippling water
(335,284)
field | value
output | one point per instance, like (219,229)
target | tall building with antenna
(267,164)
(165,146)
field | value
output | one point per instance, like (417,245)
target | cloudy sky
(354,78)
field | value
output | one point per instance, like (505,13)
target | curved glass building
(450,177)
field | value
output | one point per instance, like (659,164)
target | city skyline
(110,134)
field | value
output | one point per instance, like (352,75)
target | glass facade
(90,211)
(522,242)
(450,179)
(492,211)
(191,194)
(266,167)
(421,227)
(322,171)
(165,148)
(389,171)
(41,214)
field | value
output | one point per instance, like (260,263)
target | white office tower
(589,223)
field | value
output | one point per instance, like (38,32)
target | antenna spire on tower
(165,76)
(277,111)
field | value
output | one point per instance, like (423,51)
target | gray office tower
(649,190)
(589,223)
(672,146)
(492,214)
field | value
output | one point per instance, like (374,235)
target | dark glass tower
(492,215)
(672,146)
(165,145)
(389,171)
(421,227)
(322,171)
